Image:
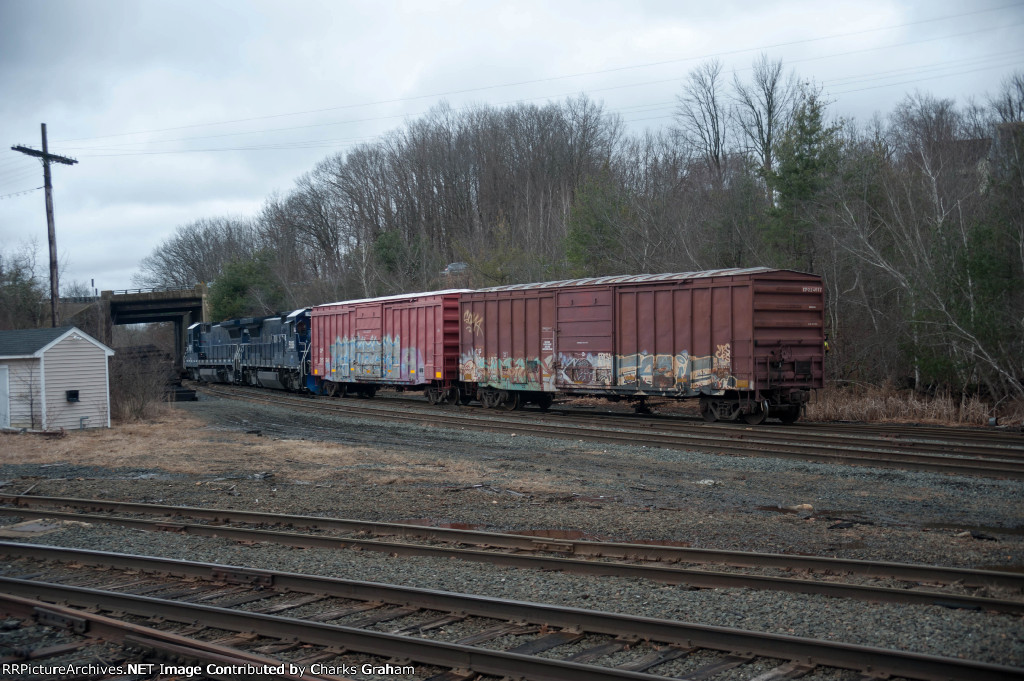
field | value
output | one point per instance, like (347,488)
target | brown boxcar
(748,342)
(406,341)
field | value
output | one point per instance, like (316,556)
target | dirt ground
(180,443)
(234,454)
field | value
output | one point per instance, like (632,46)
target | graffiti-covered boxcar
(748,342)
(406,342)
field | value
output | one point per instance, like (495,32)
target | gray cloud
(214,91)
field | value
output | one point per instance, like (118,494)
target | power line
(569,76)
(18,173)
(915,80)
(329,143)
(1001,57)
(544,97)
(21,193)
(843,92)
(333,143)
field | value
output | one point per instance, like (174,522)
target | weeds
(887,404)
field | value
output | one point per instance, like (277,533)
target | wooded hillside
(915,219)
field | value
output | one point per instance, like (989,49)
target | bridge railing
(158,289)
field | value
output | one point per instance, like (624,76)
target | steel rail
(576,547)
(979,434)
(975,441)
(707,579)
(480,660)
(984,437)
(108,629)
(866,659)
(990,447)
(743,444)
(972,442)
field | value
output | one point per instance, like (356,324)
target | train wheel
(545,401)
(465,398)
(433,395)
(511,401)
(707,412)
(331,389)
(755,418)
(790,415)
(452,396)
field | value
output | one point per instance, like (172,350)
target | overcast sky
(187,109)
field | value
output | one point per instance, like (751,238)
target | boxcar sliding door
(585,338)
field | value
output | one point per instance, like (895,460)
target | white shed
(54,378)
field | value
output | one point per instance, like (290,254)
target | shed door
(5,399)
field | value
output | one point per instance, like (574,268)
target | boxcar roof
(638,278)
(400,296)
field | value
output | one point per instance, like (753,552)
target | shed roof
(30,342)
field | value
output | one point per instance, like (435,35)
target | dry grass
(887,404)
(883,404)
(176,442)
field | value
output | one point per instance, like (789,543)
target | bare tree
(925,230)
(703,117)
(1009,103)
(197,252)
(140,370)
(23,295)
(763,107)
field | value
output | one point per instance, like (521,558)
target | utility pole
(51,232)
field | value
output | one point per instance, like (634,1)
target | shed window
(72,395)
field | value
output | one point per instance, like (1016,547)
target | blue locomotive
(272,352)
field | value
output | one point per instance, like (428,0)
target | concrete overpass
(183,307)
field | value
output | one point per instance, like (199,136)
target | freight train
(747,343)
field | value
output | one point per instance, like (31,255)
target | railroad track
(973,442)
(696,568)
(306,621)
(1003,458)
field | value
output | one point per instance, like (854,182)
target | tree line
(915,219)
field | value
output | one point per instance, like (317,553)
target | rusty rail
(738,441)
(659,573)
(682,636)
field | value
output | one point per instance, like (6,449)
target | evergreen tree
(808,156)
(246,288)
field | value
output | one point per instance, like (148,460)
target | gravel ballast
(578,489)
